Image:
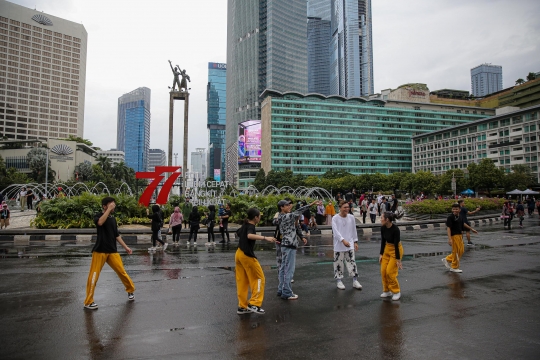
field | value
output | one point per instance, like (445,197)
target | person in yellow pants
(249,274)
(104,251)
(390,256)
(454,230)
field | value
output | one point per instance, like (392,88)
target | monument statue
(177,71)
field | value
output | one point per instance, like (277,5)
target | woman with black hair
(157,221)
(194,224)
(249,274)
(390,256)
(210,223)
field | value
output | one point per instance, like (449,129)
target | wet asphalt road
(186,302)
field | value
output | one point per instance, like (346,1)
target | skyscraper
(133,131)
(351,61)
(486,79)
(42,74)
(198,164)
(318,37)
(266,48)
(216,112)
(156,157)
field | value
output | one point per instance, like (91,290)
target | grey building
(351,49)
(486,79)
(156,157)
(318,36)
(266,48)
(42,74)
(114,155)
(198,164)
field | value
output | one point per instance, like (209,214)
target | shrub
(445,206)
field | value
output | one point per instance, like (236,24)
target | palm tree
(104,162)
(121,171)
(531,76)
(519,81)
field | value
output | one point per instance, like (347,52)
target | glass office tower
(216,112)
(133,131)
(318,37)
(486,79)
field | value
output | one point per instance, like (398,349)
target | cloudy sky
(426,41)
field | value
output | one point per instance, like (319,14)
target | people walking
(390,256)
(507,214)
(364,208)
(520,212)
(186,211)
(105,251)
(372,209)
(30,199)
(345,244)
(330,211)
(249,274)
(463,212)
(530,206)
(224,226)
(210,223)
(194,224)
(22,198)
(175,225)
(157,222)
(454,230)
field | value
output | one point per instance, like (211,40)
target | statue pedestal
(178,95)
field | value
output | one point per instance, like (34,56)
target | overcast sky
(426,41)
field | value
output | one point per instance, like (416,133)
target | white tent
(515,192)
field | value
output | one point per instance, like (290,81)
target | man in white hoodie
(345,244)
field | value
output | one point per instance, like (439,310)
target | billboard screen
(249,142)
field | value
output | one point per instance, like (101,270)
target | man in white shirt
(345,244)
(372,209)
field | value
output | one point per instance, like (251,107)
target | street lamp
(465,176)
(46,172)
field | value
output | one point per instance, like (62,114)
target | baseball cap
(283,203)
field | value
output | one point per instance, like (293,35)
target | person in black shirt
(210,223)
(249,274)
(454,230)
(224,226)
(157,223)
(463,212)
(390,256)
(194,224)
(104,251)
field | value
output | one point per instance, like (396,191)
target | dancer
(194,224)
(463,212)
(105,251)
(454,230)
(210,223)
(249,274)
(175,225)
(156,228)
(345,244)
(390,256)
(289,243)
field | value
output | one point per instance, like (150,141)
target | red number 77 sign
(157,175)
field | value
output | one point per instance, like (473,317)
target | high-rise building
(486,79)
(133,131)
(216,101)
(42,74)
(266,48)
(198,164)
(318,37)
(156,157)
(351,49)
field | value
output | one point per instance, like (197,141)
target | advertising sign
(217,174)
(249,142)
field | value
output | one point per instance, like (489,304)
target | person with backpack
(248,271)
(520,209)
(194,224)
(157,223)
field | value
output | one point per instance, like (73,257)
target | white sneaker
(445,262)
(194,243)
(152,249)
(356,285)
(396,296)
(386,294)
(165,246)
(208,244)
(456,270)
(340,285)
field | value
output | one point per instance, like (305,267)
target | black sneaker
(279,294)
(470,243)
(255,309)
(92,306)
(242,311)
(131,296)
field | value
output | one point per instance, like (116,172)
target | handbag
(204,221)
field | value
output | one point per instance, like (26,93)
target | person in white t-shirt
(22,198)
(345,244)
(372,209)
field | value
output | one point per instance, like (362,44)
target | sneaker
(131,296)
(470,243)
(356,285)
(255,309)
(396,296)
(456,270)
(165,246)
(292,297)
(242,311)
(208,244)
(386,294)
(292,280)
(92,306)
(445,262)
(340,285)
(159,248)
(194,243)
(279,294)
(152,249)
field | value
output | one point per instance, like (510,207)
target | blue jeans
(286,271)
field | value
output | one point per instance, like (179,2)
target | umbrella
(529,192)
(515,192)
(468,192)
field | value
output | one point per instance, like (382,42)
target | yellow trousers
(249,274)
(457,251)
(389,268)
(115,262)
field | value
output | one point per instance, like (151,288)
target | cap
(283,203)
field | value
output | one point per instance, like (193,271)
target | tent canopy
(468,192)
(529,192)
(515,192)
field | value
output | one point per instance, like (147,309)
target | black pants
(507,222)
(224,230)
(531,211)
(211,231)
(364,214)
(319,219)
(193,230)
(155,236)
(373,217)
(176,232)
(29,204)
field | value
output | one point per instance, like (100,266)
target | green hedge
(445,206)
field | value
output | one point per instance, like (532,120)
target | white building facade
(116,156)
(198,164)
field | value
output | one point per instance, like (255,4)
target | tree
(37,162)
(445,182)
(84,170)
(104,163)
(521,177)
(425,181)
(79,140)
(531,76)
(519,81)
(121,171)
(335,174)
(485,175)
(260,180)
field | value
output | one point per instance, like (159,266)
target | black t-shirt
(390,235)
(245,244)
(463,214)
(226,220)
(4,214)
(106,235)
(455,225)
